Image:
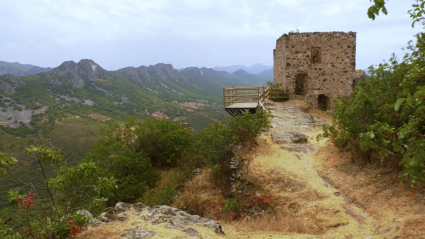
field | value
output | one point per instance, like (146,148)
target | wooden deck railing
(236,94)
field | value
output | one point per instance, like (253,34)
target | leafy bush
(248,126)
(129,152)
(214,144)
(72,188)
(385,116)
(165,193)
(163,141)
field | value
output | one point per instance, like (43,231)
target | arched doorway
(300,82)
(323,102)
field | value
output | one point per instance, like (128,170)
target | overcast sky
(203,33)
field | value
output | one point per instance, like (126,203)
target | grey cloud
(184,33)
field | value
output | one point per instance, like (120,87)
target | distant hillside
(267,74)
(65,106)
(18,69)
(255,78)
(254,69)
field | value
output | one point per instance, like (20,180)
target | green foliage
(6,161)
(385,116)
(128,153)
(163,141)
(166,193)
(79,186)
(214,144)
(379,5)
(232,205)
(243,205)
(248,126)
(6,232)
(417,12)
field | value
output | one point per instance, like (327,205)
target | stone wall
(316,66)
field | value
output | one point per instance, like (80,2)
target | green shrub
(166,193)
(248,126)
(58,199)
(385,116)
(162,141)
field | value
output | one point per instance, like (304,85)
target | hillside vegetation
(65,107)
(20,69)
(383,121)
(124,165)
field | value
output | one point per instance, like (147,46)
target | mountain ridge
(19,69)
(254,69)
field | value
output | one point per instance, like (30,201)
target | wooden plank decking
(253,105)
(237,100)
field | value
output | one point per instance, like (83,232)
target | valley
(64,107)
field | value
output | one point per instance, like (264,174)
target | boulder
(289,137)
(164,216)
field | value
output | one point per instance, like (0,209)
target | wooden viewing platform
(237,100)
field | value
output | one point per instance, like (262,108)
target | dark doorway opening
(300,82)
(323,102)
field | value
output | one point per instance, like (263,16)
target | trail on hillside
(316,189)
(323,194)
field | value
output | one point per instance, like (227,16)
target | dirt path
(322,194)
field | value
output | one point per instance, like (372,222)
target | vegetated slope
(18,69)
(254,78)
(64,107)
(315,194)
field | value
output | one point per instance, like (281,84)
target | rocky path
(321,193)
(285,164)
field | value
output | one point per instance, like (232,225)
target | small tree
(73,188)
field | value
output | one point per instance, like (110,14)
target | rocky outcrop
(289,137)
(139,74)
(8,82)
(14,79)
(163,71)
(6,88)
(145,219)
(76,73)
(159,71)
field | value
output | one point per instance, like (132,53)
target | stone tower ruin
(316,66)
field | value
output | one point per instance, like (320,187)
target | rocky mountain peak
(67,66)
(200,72)
(89,65)
(139,74)
(90,69)
(76,73)
(14,79)
(163,71)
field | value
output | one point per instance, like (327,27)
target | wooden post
(258,95)
(224,98)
